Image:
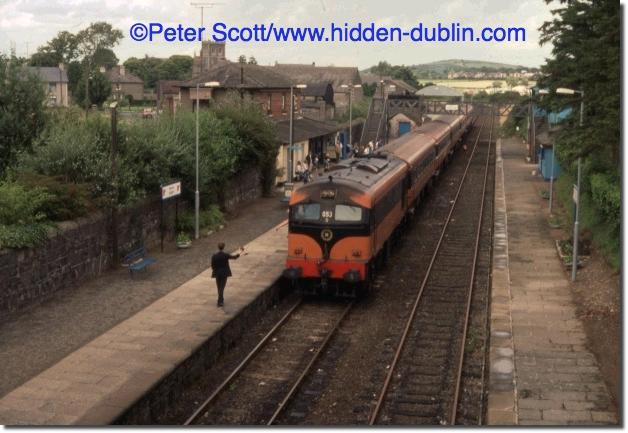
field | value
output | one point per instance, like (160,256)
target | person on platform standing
(299,171)
(221,270)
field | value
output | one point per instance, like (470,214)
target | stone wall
(79,250)
(76,251)
(245,187)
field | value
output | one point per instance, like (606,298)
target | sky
(31,23)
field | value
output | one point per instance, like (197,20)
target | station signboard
(170,190)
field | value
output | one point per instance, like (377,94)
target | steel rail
(383,392)
(308,367)
(454,407)
(242,364)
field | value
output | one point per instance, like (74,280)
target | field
(470,85)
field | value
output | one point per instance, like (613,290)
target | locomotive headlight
(298,251)
(356,253)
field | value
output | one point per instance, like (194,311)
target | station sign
(451,107)
(170,190)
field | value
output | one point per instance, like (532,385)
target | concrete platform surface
(98,382)
(541,370)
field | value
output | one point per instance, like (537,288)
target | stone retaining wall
(81,249)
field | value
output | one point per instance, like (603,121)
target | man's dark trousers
(221,282)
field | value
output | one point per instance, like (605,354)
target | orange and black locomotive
(340,227)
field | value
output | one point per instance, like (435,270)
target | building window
(269,108)
(283,102)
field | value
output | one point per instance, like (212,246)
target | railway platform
(98,383)
(541,371)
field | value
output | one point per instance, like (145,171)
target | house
(124,84)
(335,75)
(55,82)
(271,90)
(168,95)
(318,101)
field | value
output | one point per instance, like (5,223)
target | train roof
(358,174)
(364,170)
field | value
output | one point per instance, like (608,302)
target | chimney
(61,66)
(122,70)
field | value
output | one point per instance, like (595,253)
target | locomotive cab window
(347,213)
(307,212)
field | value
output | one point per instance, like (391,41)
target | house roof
(369,78)
(304,129)
(439,91)
(242,75)
(114,75)
(49,74)
(402,85)
(310,73)
(316,89)
(168,86)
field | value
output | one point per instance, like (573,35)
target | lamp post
(197,199)
(351,87)
(114,177)
(574,264)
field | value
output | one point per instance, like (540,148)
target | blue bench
(137,260)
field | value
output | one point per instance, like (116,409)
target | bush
(22,220)
(209,219)
(66,200)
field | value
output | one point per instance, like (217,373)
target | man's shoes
(220,304)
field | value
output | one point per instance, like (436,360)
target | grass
(601,233)
(469,84)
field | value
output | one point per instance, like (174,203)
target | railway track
(423,382)
(259,388)
(336,377)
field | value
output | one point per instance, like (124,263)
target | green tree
(90,41)
(405,74)
(382,69)
(105,57)
(252,61)
(22,111)
(586,40)
(147,68)
(60,49)
(99,89)
(242,58)
(175,67)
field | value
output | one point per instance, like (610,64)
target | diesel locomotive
(340,227)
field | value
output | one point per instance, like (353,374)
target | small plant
(183,240)
(544,194)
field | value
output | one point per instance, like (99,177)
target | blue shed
(546,155)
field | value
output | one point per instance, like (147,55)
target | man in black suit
(221,270)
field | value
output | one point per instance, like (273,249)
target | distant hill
(439,69)
(461,64)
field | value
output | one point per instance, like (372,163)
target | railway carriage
(341,227)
